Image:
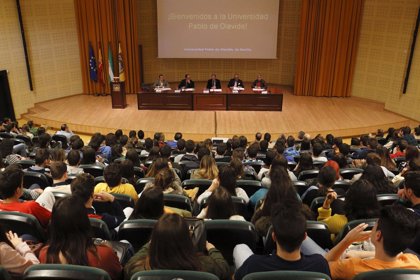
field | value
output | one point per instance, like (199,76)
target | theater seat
(286,275)
(177,201)
(30,178)
(124,200)
(348,173)
(93,169)
(64,272)
(249,186)
(226,234)
(239,206)
(387,199)
(26,163)
(137,232)
(308,174)
(4,275)
(22,223)
(390,274)
(202,184)
(62,139)
(352,224)
(141,183)
(173,274)
(100,229)
(319,233)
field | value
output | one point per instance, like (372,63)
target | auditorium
(223,139)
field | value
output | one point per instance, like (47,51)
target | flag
(92,64)
(110,64)
(120,64)
(101,78)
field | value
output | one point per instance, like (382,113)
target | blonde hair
(208,168)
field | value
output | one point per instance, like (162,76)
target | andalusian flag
(92,64)
(120,64)
(110,64)
(101,78)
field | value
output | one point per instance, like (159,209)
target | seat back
(141,183)
(348,173)
(64,272)
(249,186)
(341,185)
(138,172)
(255,164)
(300,187)
(22,223)
(5,135)
(202,184)
(26,163)
(30,178)
(387,199)
(93,169)
(100,229)
(316,203)
(25,138)
(239,205)
(59,195)
(308,174)
(177,201)
(124,200)
(4,275)
(173,274)
(390,274)
(137,232)
(352,224)
(62,139)
(286,275)
(226,234)
(319,233)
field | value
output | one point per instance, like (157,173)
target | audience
(208,169)
(150,205)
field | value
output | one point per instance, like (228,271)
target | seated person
(259,82)
(208,169)
(70,241)
(15,255)
(113,183)
(171,248)
(73,159)
(161,82)
(83,186)
(289,231)
(186,83)
(235,82)
(169,183)
(11,189)
(189,153)
(65,130)
(213,83)
(42,160)
(394,232)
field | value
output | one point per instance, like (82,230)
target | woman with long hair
(375,175)
(15,255)
(360,203)
(165,177)
(386,160)
(305,163)
(208,169)
(70,240)
(171,248)
(150,205)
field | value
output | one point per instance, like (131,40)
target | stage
(344,117)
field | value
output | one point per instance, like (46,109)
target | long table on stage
(246,100)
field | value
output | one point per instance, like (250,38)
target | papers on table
(188,89)
(160,89)
(258,89)
(237,88)
(216,90)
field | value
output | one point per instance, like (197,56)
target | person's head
(88,155)
(110,139)
(6,147)
(64,127)
(213,76)
(44,140)
(140,134)
(267,137)
(364,139)
(290,141)
(334,166)
(171,246)
(41,130)
(57,155)
(305,162)
(317,149)
(235,143)
(208,168)
(161,77)
(221,149)
(406,130)
(269,156)
(376,176)
(289,225)
(154,153)
(253,150)
(11,182)
(263,146)
(361,201)
(220,205)
(279,161)
(69,232)
(227,178)
(73,158)
(132,134)
(372,143)
(77,144)
(180,144)
(203,152)
(258,136)
(158,164)
(237,166)
(127,170)
(340,159)
(305,145)
(112,175)
(164,179)
(411,152)
(165,151)
(326,177)
(412,186)
(123,140)
(189,146)
(395,230)
(150,205)
(58,170)
(118,133)
(402,145)
(42,157)
(30,123)
(344,149)
(243,141)
(187,76)
(417,131)
(83,187)
(355,141)
(236,76)
(133,156)
(178,136)
(239,153)
(148,144)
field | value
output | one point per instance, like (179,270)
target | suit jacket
(262,84)
(164,83)
(210,83)
(238,84)
(184,84)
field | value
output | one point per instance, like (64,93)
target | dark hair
(237,166)
(361,201)
(327,176)
(239,153)
(123,140)
(221,149)
(243,141)
(164,179)
(58,169)
(203,152)
(330,139)
(263,145)
(112,175)
(398,227)
(305,145)
(269,156)
(189,146)
(317,149)
(258,136)
(305,163)
(57,155)
(110,139)
(340,159)
(148,144)
(289,224)
(6,147)
(127,170)
(154,153)
(375,175)
(171,234)
(227,178)
(180,144)
(10,180)
(411,152)
(133,156)
(116,152)
(253,150)
(77,144)
(220,204)
(355,141)
(344,148)
(140,134)
(412,181)
(267,137)
(88,155)
(83,186)
(150,205)
(132,134)
(165,151)
(41,156)
(279,160)
(290,141)
(69,233)
(44,140)
(178,135)
(280,146)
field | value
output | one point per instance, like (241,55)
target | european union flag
(92,65)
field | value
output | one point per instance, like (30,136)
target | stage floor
(343,117)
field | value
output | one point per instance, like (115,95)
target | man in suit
(161,82)
(259,82)
(186,83)
(235,82)
(213,83)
